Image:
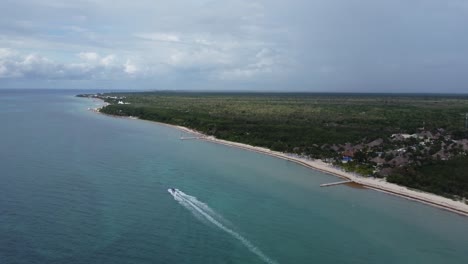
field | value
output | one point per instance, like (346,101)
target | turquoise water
(78,187)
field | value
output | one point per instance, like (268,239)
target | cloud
(89,56)
(5,53)
(217,41)
(108,60)
(263,63)
(198,58)
(168,37)
(334,45)
(93,57)
(14,65)
(216,57)
(130,68)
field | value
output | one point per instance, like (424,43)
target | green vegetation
(446,178)
(430,129)
(287,121)
(362,169)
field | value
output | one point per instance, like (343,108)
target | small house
(346,159)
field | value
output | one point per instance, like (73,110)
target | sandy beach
(368,182)
(372,183)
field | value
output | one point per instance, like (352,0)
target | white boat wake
(204,213)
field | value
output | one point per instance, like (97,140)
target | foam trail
(190,208)
(204,207)
(201,209)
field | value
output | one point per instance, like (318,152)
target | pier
(335,183)
(189,138)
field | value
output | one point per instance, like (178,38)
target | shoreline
(370,183)
(380,185)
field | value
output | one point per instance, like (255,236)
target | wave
(207,215)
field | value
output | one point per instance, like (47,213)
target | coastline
(372,183)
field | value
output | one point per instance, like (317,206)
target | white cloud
(264,62)
(306,42)
(216,56)
(167,37)
(89,56)
(198,58)
(95,58)
(130,68)
(4,53)
(202,38)
(108,60)
(14,65)
(31,65)
(203,41)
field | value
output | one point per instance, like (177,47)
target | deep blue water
(79,187)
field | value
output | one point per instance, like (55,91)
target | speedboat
(172,191)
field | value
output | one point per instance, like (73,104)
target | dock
(189,138)
(335,183)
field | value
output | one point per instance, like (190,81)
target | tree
(360,156)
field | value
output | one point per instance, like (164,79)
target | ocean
(80,187)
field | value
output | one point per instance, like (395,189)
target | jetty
(188,138)
(335,183)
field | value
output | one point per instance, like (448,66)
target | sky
(261,45)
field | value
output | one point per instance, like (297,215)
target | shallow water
(79,187)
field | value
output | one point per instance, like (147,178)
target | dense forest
(287,121)
(320,125)
(445,178)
